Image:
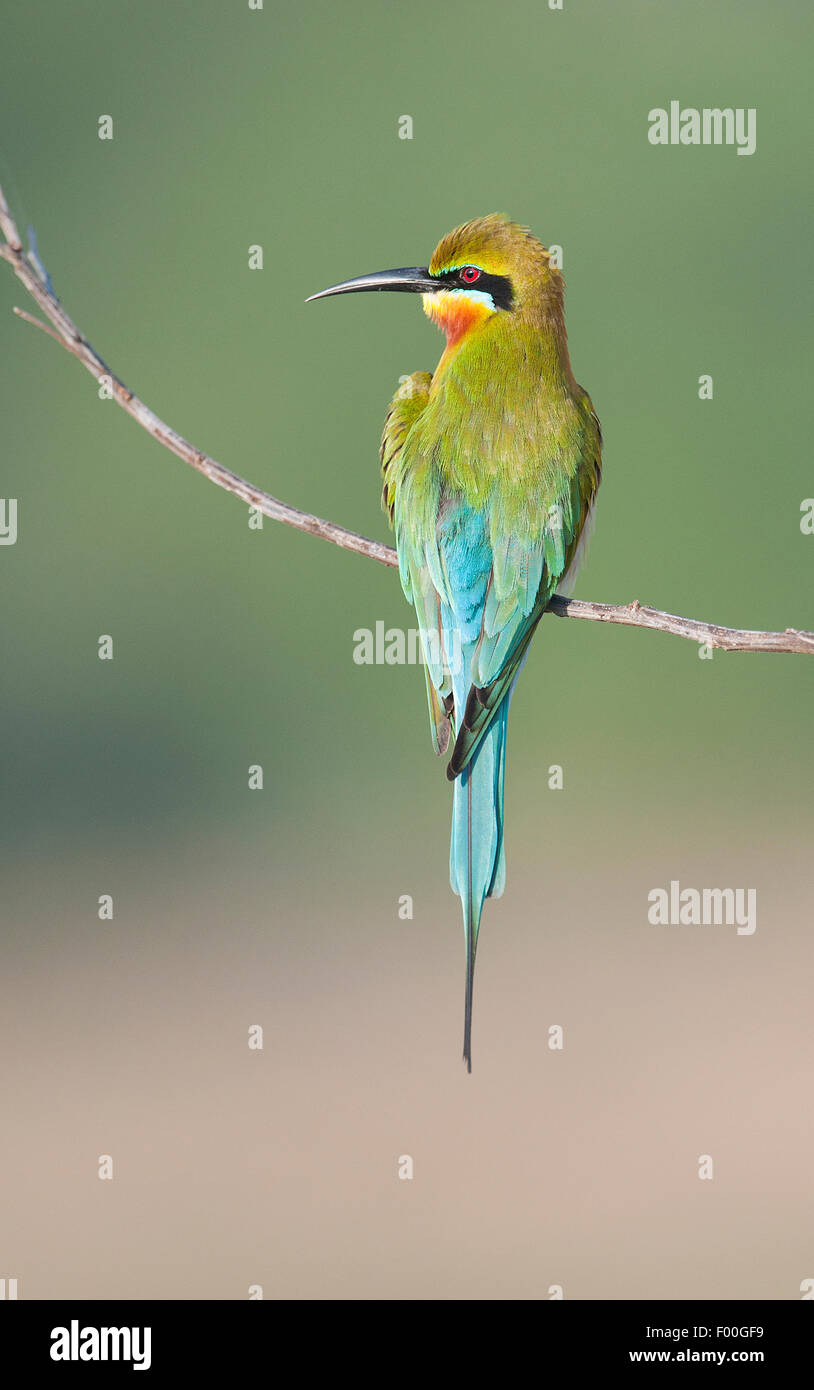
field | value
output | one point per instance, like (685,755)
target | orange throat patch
(456,314)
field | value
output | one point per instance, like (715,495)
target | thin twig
(728,639)
(38,323)
(68,335)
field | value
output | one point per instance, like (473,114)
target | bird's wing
(410,399)
(529,561)
(414,565)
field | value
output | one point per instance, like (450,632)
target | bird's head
(484,269)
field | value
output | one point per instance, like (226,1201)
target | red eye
(470,274)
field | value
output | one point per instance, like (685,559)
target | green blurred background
(234,647)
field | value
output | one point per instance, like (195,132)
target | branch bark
(66,333)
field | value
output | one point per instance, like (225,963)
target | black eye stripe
(498,286)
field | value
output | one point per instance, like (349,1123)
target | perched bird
(491,466)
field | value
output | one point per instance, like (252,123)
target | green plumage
(490,467)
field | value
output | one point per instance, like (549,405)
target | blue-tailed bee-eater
(491,466)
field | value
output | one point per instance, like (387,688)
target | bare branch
(7,226)
(68,335)
(38,323)
(728,639)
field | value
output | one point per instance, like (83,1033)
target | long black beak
(413,280)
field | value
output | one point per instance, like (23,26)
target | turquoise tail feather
(477,861)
